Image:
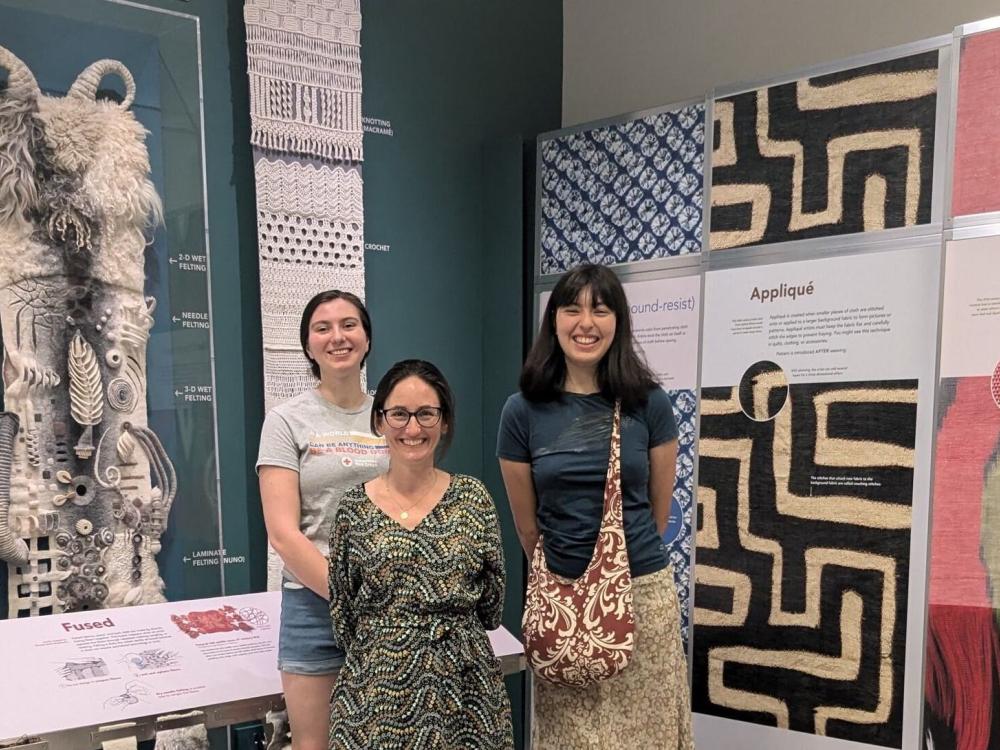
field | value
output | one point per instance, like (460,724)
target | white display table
(89,677)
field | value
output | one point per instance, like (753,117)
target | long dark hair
(329,296)
(430,374)
(621,374)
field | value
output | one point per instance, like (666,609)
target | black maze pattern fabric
(836,154)
(802,559)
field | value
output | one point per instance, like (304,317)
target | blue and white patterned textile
(677,537)
(623,193)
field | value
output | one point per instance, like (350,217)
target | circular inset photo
(995,385)
(763,391)
(675,522)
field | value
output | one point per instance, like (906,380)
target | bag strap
(612,502)
(613,481)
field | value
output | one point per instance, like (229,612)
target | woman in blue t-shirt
(554,447)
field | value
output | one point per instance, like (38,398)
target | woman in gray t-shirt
(312,448)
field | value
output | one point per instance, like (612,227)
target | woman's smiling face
(412,443)
(585,330)
(337,340)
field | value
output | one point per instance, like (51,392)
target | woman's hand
(279,493)
(662,472)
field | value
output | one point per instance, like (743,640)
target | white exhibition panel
(860,317)
(665,316)
(970,325)
(112,665)
(870,316)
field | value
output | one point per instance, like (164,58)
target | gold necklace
(405,514)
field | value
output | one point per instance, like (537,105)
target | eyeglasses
(398,417)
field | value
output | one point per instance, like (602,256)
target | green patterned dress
(412,608)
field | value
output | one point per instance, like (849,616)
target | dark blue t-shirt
(568,443)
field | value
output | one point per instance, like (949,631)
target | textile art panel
(678,537)
(80,527)
(977,128)
(962,679)
(802,559)
(839,153)
(304,62)
(623,193)
(309,227)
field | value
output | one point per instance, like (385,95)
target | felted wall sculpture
(90,484)
(977,127)
(802,559)
(962,678)
(623,193)
(304,64)
(835,154)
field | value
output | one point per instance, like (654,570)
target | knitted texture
(304,63)
(309,231)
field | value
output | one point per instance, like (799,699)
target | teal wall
(465,85)
(234,281)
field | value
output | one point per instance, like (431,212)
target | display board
(816,376)
(114,495)
(106,667)
(839,153)
(818,388)
(622,192)
(963,635)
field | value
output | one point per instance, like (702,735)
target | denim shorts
(305,640)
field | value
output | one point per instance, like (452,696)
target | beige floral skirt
(647,705)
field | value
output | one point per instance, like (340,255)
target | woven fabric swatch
(836,154)
(802,560)
(623,193)
(977,129)
(962,681)
(304,63)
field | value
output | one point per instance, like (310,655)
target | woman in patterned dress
(553,447)
(416,580)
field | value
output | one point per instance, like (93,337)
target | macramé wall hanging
(85,486)
(304,63)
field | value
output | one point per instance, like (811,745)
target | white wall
(627,55)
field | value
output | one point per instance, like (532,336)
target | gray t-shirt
(331,448)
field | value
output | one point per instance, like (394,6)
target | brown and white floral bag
(583,631)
